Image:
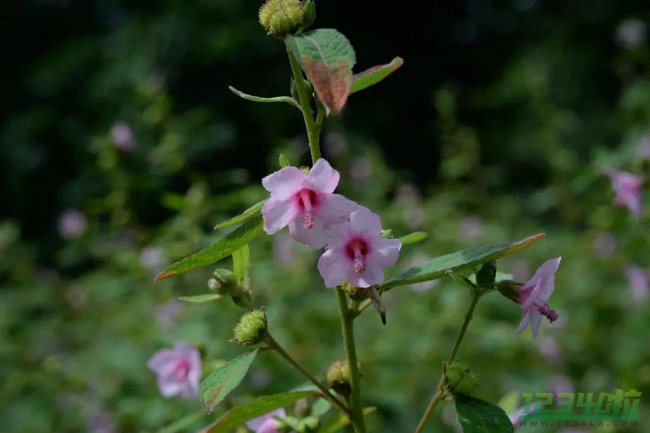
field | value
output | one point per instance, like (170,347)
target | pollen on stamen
(548,312)
(359,266)
(309,220)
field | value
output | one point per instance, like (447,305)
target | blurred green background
(121,147)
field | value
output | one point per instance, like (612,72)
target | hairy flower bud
(460,379)
(251,327)
(338,377)
(279,17)
(223,281)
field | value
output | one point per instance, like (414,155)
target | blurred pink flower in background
(334,144)
(643,148)
(178,370)
(283,249)
(266,423)
(408,198)
(550,349)
(361,170)
(639,282)
(153,258)
(72,223)
(514,416)
(100,422)
(471,228)
(122,136)
(426,285)
(604,245)
(627,188)
(520,270)
(535,293)
(559,384)
(630,33)
(357,251)
(167,314)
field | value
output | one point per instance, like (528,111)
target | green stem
(313,130)
(347,324)
(273,344)
(441,391)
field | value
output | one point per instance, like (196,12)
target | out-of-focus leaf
(287,99)
(223,380)
(480,416)
(245,216)
(374,75)
(184,423)
(460,260)
(413,238)
(327,57)
(341,421)
(199,299)
(217,251)
(258,407)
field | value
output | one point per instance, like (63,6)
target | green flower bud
(223,281)
(460,379)
(251,327)
(279,17)
(338,377)
(486,275)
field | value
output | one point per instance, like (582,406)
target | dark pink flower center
(307,200)
(182,369)
(356,250)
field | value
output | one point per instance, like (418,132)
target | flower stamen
(548,312)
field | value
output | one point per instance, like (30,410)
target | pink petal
(384,252)
(546,276)
(284,183)
(335,209)
(161,359)
(278,214)
(337,235)
(334,267)
(535,321)
(314,237)
(524,322)
(365,222)
(257,424)
(372,275)
(322,177)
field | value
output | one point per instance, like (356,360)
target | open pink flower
(627,188)
(358,252)
(305,202)
(534,294)
(266,423)
(178,370)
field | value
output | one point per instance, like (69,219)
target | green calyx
(279,17)
(460,379)
(251,327)
(338,377)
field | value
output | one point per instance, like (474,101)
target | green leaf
(501,276)
(240,259)
(460,260)
(263,405)
(287,99)
(462,281)
(221,381)
(327,57)
(341,421)
(199,299)
(413,238)
(284,162)
(374,75)
(217,251)
(480,416)
(245,216)
(184,423)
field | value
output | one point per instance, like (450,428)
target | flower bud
(510,289)
(251,327)
(460,379)
(223,281)
(338,377)
(279,17)
(486,275)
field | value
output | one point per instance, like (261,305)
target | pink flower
(534,294)
(305,203)
(122,136)
(178,370)
(266,423)
(72,223)
(639,282)
(357,252)
(627,188)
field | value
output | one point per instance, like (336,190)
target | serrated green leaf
(286,99)
(374,75)
(327,57)
(480,416)
(217,251)
(458,261)
(413,238)
(199,299)
(263,405)
(223,380)
(240,260)
(245,216)
(284,162)
(341,421)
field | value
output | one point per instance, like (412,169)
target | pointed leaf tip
(374,75)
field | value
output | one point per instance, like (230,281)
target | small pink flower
(627,188)
(534,294)
(178,370)
(358,252)
(72,223)
(266,423)
(639,282)
(122,136)
(305,203)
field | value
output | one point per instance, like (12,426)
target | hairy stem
(313,130)
(347,325)
(273,344)
(441,391)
